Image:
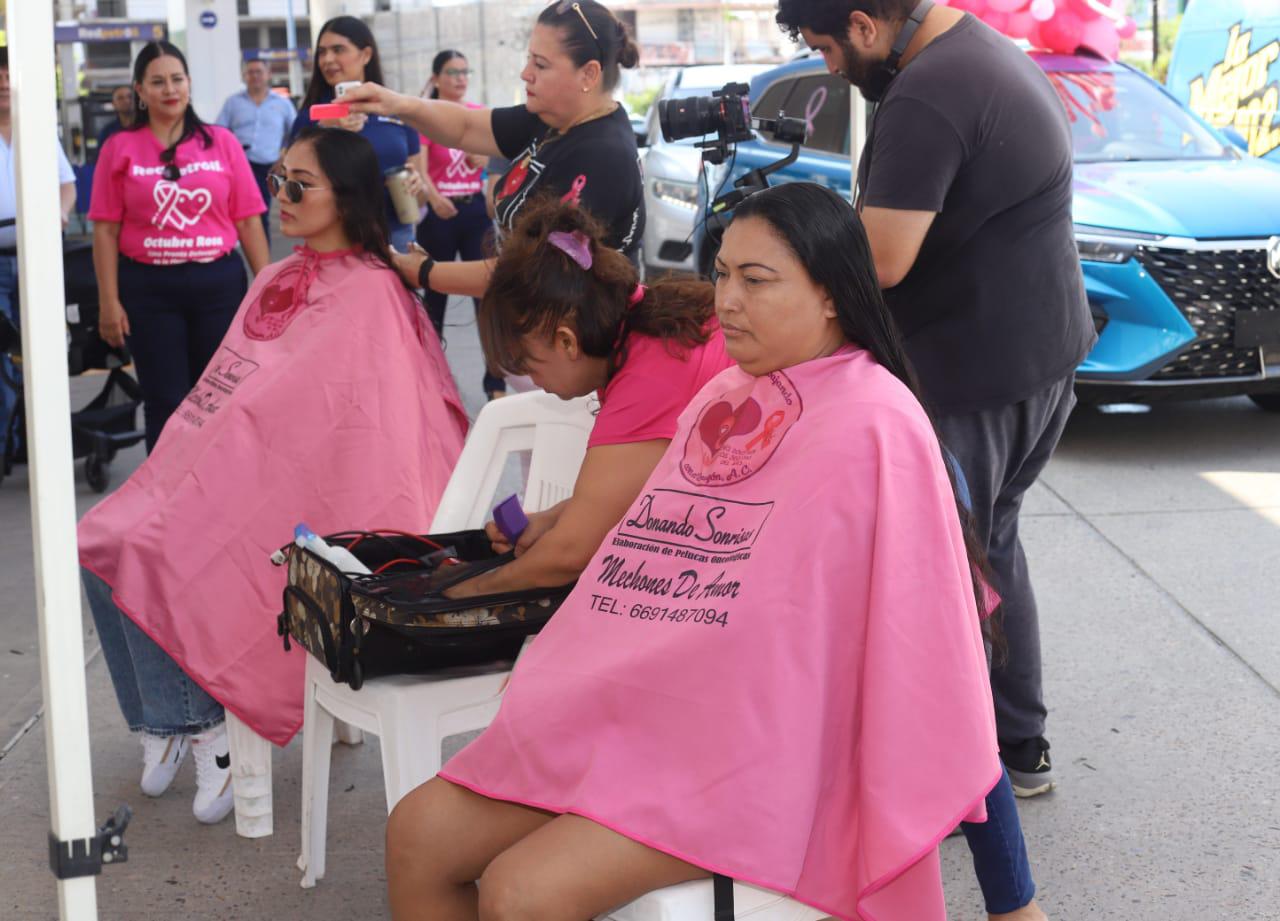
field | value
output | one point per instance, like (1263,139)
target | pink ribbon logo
(817,99)
(179,207)
(458,167)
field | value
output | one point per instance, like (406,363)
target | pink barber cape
(773,667)
(330,402)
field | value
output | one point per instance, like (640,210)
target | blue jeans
(9,306)
(154,693)
(999,853)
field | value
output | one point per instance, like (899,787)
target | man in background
(965,188)
(122,102)
(260,120)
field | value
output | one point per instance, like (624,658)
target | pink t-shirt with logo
(448,168)
(168,223)
(652,388)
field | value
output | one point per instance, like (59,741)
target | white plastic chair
(412,715)
(554,434)
(695,901)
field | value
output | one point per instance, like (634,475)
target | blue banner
(111,32)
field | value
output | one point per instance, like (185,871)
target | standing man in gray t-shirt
(965,190)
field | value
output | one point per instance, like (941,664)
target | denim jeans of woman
(154,693)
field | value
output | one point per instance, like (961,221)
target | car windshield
(1119,115)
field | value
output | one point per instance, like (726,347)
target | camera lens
(693,116)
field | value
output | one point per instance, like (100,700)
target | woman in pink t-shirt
(457,222)
(568,310)
(172,197)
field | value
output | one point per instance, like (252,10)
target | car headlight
(1103,244)
(680,194)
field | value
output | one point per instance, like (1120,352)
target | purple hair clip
(576,245)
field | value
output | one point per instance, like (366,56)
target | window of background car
(822,100)
(1120,115)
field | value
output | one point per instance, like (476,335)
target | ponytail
(536,286)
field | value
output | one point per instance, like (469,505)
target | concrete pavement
(1154,542)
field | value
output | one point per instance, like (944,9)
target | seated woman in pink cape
(772,667)
(329,402)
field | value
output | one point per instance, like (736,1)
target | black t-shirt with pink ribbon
(595,164)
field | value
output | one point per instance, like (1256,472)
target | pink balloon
(1006,6)
(1082,8)
(1100,36)
(997,20)
(1019,25)
(1033,35)
(1127,28)
(1062,33)
(1043,10)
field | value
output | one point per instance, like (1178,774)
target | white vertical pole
(295,61)
(48,406)
(213,54)
(857,136)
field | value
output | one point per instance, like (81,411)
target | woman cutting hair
(570,139)
(327,402)
(785,615)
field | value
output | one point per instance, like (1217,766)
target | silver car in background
(672,170)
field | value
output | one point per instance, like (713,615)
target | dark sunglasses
(171,172)
(293,189)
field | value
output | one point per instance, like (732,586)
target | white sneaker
(161,758)
(215,797)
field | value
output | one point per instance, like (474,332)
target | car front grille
(1208,287)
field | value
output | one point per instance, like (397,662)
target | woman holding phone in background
(346,52)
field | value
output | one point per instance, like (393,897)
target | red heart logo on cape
(721,422)
(276,299)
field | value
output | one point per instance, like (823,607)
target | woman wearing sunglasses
(346,52)
(570,139)
(329,401)
(171,198)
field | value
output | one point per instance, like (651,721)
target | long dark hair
(827,237)
(437,65)
(350,167)
(318,90)
(536,287)
(612,45)
(191,123)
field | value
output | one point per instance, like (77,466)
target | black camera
(726,113)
